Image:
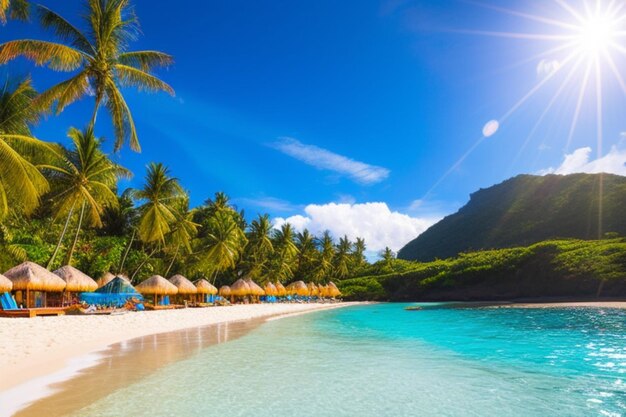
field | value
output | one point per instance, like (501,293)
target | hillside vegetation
(524,210)
(554,268)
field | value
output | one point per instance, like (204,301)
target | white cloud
(547,67)
(374,222)
(580,160)
(324,159)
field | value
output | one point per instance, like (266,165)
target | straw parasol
(323,290)
(240,288)
(280,289)
(204,287)
(313,291)
(6,284)
(270,289)
(224,291)
(300,288)
(333,291)
(255,289)
(157,285)
(76,280)
(108,277)
(183,284)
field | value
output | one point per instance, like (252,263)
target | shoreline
(33,350)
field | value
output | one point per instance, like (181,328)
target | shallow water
(381,360)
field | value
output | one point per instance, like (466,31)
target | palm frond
(123,123)
(133,77)
(64,30)
(63,94)
(57,56)
(145,60)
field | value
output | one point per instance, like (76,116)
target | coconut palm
(285,253)
(83,178)
(159,196)
(183,231)
(223,244)
(327,254)
(342,258)
(260,247)
(358,253)
(21,183)
(15,9)
(101,58)
(307,254)
(388,256)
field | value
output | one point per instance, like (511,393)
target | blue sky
(353,115)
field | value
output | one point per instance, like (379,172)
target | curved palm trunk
(56,249)
(92,123)
(130,243)
(132,278)
(172,262)
(68,258)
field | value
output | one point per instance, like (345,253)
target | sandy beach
(39,346)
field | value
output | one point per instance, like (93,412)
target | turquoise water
(381,360)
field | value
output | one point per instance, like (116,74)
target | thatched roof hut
(157,285)
(270,289)
(108,277)
(224,291)
(76,280)
(6,284)
(323,290)
(33,277)
(255,289)
(183,284)
(333,291)
(280,289)
(205,287)
(299,288)
(240,288)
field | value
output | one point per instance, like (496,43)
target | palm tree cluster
(61,204)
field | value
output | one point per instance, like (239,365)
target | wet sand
(37,352)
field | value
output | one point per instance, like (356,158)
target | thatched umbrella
(240,288)
(157,285)
(205,288)
(280,289)
(255,289)
(6,285)
(313,290)
(77,281)
(270,289)
(185,287)
(323,290)
(300,288)
(29,276)
(224,291)
(333,291)
(108,277)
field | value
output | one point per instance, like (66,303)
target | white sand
(39,346)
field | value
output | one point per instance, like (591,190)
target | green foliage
(550,268)
(524,210)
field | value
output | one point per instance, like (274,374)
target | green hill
(559,268)
(524,210)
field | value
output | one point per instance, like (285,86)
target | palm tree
(260,246)
(21,183)
(307,254)
(358,253)
(100,57)
(285,252)
(327,254)
(388,256)
(160,195)
(15,9)
(183,231)
(82,177)
(223,244)
(342,258)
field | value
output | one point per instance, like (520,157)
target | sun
(597,34)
